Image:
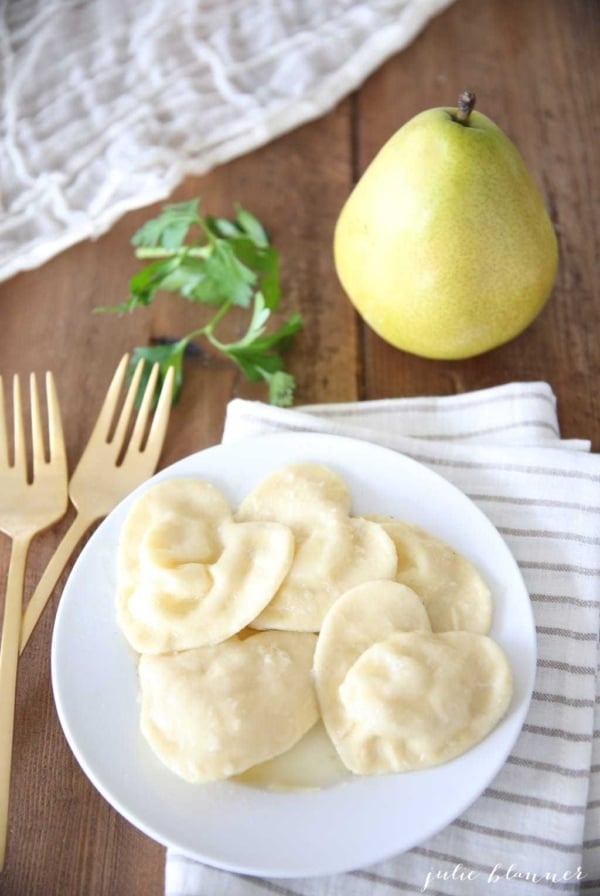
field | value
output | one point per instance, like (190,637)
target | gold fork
(108,470)
(26,508)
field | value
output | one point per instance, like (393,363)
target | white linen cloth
(536,829)
(107,105)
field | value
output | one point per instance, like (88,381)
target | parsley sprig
(223,263)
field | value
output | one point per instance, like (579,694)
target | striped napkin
(536,829)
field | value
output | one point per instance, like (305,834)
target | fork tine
(3,429)
(125,415)
(20,459)
(55,430)
(37,435)
(156,436)
(139,429)
(107,411)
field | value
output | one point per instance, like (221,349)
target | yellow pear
(444,246)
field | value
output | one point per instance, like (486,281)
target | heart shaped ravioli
(214,712)
(188,574)
(363,616)
(455,595)
(395,696)
(418,699)
(334,550)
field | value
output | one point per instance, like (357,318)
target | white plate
(227,824)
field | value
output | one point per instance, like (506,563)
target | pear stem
(466,104)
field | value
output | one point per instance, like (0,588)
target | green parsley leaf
(252,227)
(217,262)
(259,356)
(225,278)
(263,260)
(144,285)
(166,356)
(281,337)
(171,227)
(222,227)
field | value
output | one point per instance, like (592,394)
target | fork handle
(9,657)
(51,574)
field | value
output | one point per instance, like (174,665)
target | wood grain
(535,67)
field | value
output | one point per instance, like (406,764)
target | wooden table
(536,69)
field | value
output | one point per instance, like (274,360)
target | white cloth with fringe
(108,105)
